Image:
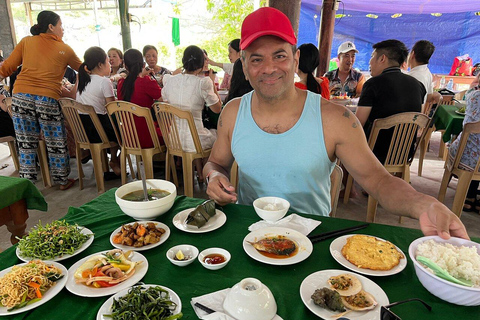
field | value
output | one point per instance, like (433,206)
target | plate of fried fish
(277,246)
(368,255)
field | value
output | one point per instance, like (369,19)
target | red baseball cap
(266,21)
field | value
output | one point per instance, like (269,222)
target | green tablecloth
(447,119)
(14,189)
(102,216)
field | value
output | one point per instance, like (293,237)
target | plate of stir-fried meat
(277,246)
(140,235)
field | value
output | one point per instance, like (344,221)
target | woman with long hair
(189,92)
(96,90)
(233,55)
(140,89)
(44,57)
(239,85)
(309,61)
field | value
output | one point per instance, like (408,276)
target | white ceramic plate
(84,246)
(52,292)
(319,279)
(213,223)
(89,291)
(461,113)
(305,246)
(336,251)
(163,238)
(105,308)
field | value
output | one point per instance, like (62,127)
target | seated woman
(96,90)
(472,149)
(239,85)
(142,90)
(117,71)
(309,60)
(233,55)
(187,91)
(150,54)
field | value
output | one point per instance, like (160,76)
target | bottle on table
(450,85)
(442,82)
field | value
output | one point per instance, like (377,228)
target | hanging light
(436,14)
(338,16)
(372,16)
(477,13)
(396,15)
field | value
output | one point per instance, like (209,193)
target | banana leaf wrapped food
(201,214)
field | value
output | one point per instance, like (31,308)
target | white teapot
(250,300)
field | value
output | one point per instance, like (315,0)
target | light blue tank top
(293,165)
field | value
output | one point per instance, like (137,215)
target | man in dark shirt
(388,92)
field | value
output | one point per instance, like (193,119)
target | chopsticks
(204,308)
(336,233)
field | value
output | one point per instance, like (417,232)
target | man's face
(375,64)
(270,66)
(346,60)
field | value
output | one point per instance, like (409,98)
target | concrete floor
(59,201)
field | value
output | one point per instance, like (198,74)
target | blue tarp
(453,34)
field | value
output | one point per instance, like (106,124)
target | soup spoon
(144,181)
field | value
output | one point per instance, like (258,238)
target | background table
(18,195)
(102,216)
(447,119)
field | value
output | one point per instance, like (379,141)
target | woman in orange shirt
(44,58)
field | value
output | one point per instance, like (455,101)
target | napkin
(214,301)
(293,221)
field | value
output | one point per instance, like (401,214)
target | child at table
(94,88)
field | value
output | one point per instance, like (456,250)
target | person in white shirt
(418,59)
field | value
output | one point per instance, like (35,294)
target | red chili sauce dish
(214,258)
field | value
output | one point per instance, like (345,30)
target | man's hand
(439,220)
(220,189)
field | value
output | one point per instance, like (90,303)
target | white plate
(336,251)
(52,292)
(461,113)
(163,238)
(319,279)
(84,246)
(105,308)
(213,223)
(305,246)
(88,291)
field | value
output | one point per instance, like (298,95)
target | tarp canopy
(454,28)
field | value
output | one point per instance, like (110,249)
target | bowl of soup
(161,194)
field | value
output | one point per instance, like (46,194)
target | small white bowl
(221,251)
(271,215)
(250,300)
(188,250)
(146,210)
(443,289)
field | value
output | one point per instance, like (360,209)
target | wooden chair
(405,126)
(11,139)
(465,175)
(167,116)
(124,113)
(336,184)
(71,109)
(442,151)
(234,175)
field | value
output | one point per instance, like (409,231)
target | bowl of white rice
(459,257)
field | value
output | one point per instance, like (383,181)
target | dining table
(17,196)
(446,118)
(102,215)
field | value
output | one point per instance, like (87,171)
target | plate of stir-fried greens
(157,302)
(55,241)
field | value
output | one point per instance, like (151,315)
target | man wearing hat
(286,140)
(345,80)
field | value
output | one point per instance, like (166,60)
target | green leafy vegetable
(52,240)
(151,303)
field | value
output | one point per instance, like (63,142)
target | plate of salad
(55,241)
(140,300)
(42,280)
(106,273)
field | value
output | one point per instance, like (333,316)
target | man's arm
(359,88)
(217,169)
(344,132)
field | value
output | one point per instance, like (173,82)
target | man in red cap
(286,140)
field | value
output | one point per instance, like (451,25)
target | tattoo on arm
(354,125)
(346,114)
(220,121)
